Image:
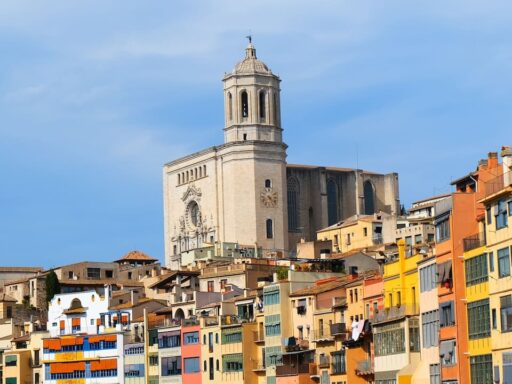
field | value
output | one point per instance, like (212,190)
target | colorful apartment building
(396,328)
(456,218)
(498,235)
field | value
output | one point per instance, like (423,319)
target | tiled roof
(21,269)
(141,301)
(135,256)
(4,297)
(319,288)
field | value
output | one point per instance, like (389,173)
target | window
(153,360)
(500,214)
(494,319)
(489,215)
(428,278)
(9,312)
(169,340)
(70,274)
(109,274)
(293,207)
(271,296)
(447,315)
(447,352)
(506,313)
(332,202)
(273,325)
(263,107)
(389,340)
(430,328)
(93,273)
(230,106)
(365,232)
(414,335)
(191,364)
(479,323)
(191,338)
(273,356)
(476,270)
(490,255)
(443,230)
(481,369)
(244,104)
(216,338)
(11,360)
(171,366)
(232,362)
(339,365)
(503,262)
(268,183)
(270,229)
(369,198)
(435,374)
(507,366)
(210,286)
(231,335)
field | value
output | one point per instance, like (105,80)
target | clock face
(268,197)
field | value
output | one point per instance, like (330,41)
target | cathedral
(244,192)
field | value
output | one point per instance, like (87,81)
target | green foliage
(282,273)
(52,286)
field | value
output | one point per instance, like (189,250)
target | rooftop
(136,256)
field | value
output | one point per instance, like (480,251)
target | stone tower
(251,94)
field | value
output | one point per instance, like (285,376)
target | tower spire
(250,51)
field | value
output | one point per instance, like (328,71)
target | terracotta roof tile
(135,256)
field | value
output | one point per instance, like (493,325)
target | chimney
(492,160)
(506,155)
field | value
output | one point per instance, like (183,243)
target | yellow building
(478,310)
(396,329)
(498,234)
(356,232)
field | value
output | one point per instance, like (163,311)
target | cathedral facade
(244,192)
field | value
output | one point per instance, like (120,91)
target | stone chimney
(506,154)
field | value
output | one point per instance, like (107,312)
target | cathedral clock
(268,197)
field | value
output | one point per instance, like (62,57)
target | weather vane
(249,37)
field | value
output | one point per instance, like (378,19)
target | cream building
(244,192)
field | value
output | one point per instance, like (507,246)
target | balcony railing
(494,185)
(338,329)
(396,312)
(230,320)
(324,361)
(190,322)
(322,334)
(293,370)
(474,241)
(258,365)
(211,321)
(258,336)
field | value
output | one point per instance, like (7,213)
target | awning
(101,365)
(75,322)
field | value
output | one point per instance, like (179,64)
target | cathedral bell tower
(251,101)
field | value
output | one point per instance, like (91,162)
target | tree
(52,285)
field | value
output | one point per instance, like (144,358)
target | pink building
(191,352)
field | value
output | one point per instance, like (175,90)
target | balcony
(190,322)
(210,321)
(320,335)
(338,329)
(258,366)
(230,320)
(324,361)
(395,313)
(364,367)
(474,241)
(258,336)
(494,185)
(294,370)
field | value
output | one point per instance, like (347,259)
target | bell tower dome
(251,101)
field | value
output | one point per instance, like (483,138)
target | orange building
(456,219)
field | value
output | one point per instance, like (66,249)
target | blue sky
(95,96)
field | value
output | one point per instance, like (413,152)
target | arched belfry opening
(263,105)
(230,106)
(244,104)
